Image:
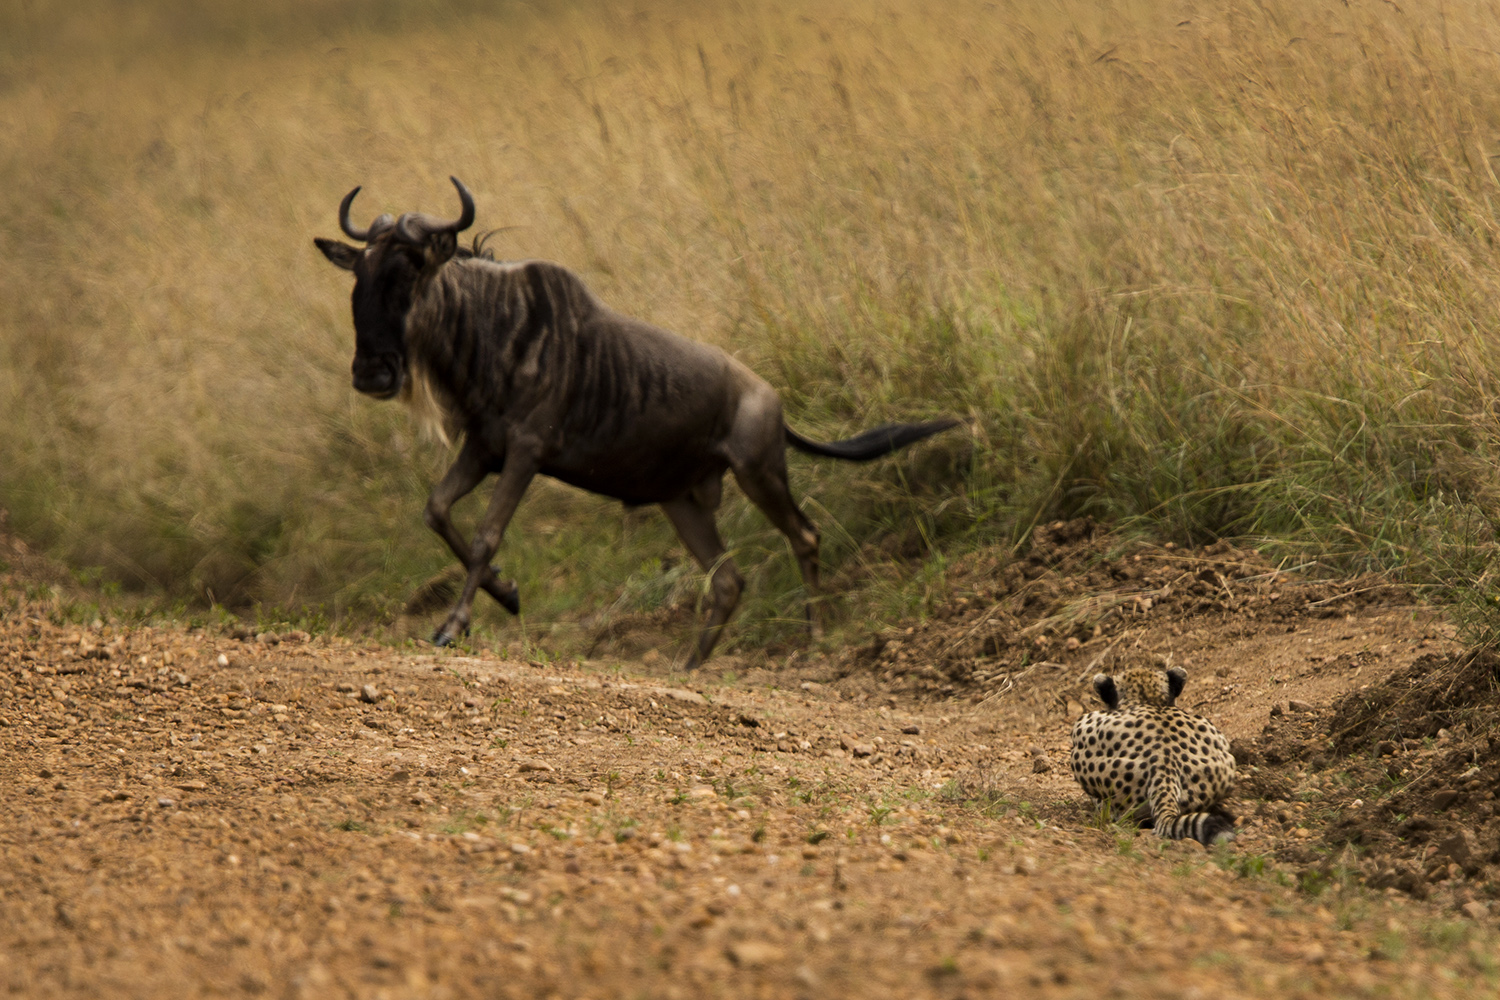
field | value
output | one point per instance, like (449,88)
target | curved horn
(466,217)
(344,224)
(414,227)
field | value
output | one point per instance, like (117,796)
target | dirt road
(191,813)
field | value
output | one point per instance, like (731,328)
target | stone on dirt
(754,954)
(1460,849)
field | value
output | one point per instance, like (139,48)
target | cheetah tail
(1207,828)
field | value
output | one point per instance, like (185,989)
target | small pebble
(753,954)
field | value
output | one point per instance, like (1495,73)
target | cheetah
(1152,762)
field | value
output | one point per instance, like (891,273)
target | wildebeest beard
(537,376)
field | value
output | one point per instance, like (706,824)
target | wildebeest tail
(872,443)
(1206,828)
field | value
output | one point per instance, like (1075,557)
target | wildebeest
(539,376)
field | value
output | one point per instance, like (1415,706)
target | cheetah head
(1141,686)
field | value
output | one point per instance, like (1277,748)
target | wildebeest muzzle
(379,376)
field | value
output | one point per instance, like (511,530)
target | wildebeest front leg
(514,478)
(465,474)
(693,517)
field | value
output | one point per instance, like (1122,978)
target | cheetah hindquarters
(1168,821)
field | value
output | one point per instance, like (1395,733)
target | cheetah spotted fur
(1152,762)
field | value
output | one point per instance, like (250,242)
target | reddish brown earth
(194,812)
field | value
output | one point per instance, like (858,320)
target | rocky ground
(209,811)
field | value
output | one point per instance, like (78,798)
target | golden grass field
(1199,270)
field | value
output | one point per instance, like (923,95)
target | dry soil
(209,812)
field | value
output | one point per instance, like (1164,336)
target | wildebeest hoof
(506,593)
(443,637)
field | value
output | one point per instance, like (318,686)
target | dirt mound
(1072,602)
(1399,778)
(1435,693)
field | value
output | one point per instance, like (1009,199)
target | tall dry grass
(1209,269)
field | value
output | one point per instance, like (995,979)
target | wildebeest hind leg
(465,474)
(693,517)
(765,484)
(514,478)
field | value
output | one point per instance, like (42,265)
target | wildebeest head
(399,257)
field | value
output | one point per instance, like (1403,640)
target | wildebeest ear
(1104,687)
(342,254)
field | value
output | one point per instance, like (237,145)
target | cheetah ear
(1104,687)
(1176,681)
